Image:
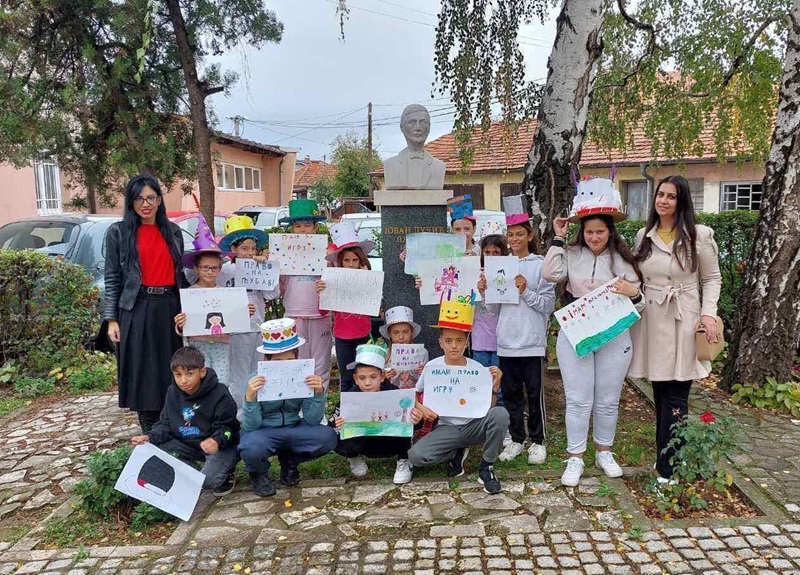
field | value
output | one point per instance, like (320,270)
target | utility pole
(369,143)
(237,124)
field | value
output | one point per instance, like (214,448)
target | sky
(312,86)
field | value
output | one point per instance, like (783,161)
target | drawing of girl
(215,323)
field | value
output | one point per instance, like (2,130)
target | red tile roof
(248,145)
(311,172)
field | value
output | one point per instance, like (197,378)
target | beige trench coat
(663,341)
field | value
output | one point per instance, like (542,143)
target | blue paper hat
(460,207)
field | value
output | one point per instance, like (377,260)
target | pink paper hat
(204,243)
(514,207)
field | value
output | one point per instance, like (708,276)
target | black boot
(262,484)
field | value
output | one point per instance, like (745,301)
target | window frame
(738,184)
(49,195)
(224,170)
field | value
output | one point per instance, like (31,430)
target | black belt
(156,290)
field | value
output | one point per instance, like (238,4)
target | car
(264,217)
(188,220)
(368,227)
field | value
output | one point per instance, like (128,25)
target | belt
(667,294)
(156,290)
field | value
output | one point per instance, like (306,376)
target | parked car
(264,217)
(188,221)
(368,226)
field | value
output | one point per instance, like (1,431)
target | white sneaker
(507,439)
(511,451)
(537,453)
(664,481)
(358,466)
(605,461)
(404,472)
(572,474)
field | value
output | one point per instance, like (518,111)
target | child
(522,338)
(300,298)
(484,330)
(276,427)
(349,329)
(463,222)
(198,422)
(450,439)
(368,372)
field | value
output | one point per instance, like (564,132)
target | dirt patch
(81,529)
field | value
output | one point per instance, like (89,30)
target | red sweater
(156,263)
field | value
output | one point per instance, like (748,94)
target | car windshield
(371,230)
(37,234)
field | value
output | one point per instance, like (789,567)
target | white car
(264,217)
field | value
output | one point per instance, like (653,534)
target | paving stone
(483,500)
(710,544)
(700,532)
(371,493)
(474,530)
(564,519)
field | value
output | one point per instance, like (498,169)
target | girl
(676,257)
(143,273)
(484,328)
(464,222)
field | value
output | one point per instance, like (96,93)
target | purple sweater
(484,329)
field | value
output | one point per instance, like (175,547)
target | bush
(33,387)
(145,515)
(97,372)
(770,394)
(97,493)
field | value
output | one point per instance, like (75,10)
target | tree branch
(649,51)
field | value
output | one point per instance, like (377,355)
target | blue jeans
(293,445)
(217,465)
(488,359)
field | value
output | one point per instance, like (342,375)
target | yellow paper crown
(457,313)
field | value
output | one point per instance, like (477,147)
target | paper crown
(204,243)
(279,335)
(514,207)
(460,207)
(457,313)
(369,354)
(344,235)
(596,196)
(240,228)
(302,210)
(399,314)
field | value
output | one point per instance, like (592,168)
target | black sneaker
(456,466)
(289,474)
(486,477)
(262,484)
(226,486)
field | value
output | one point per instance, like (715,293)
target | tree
(350,157)
(324,192)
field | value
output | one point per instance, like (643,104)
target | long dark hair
(215,314)
(496,240)
(131,220)
(533,243)
(616,244)
(363,260)
(685,248)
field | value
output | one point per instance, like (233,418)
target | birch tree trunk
(561,122)
(766,330)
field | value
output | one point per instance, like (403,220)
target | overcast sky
(311,87)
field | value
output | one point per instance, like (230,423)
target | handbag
(709,351)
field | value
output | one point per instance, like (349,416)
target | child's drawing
(215,322)
(448,281)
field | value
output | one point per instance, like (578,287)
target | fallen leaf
(287,503)
(237,567)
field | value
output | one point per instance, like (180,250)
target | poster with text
(449,278)
(251,274)
(427,246)
(405,361)
(299,254)
(385,413)
(215,311)
(155,477)
(285,379)
(352,291)
(595,319)
(500,272)
(454,391)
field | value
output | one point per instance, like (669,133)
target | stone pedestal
(409,212)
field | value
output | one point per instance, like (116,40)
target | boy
(369,378)
(463,222)
(275,427)
(399,328)
(451,437)
(198,422)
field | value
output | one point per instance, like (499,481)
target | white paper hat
(344,235)
(279,335)
(596,196)
(514,208)
(399,314)
(369,354)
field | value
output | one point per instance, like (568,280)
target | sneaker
(537,453)
(358,466)
(262,484)
(456,466)
(226,486)
(290,475)
(664,481)
(511,451)
(487,478)
(605,461)
(572,474)
(507,439)
(404,472)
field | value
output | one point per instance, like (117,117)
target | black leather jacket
(123,277)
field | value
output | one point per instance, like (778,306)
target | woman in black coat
(143,273)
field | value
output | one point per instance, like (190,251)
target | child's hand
(482,284)
(253,386)
(521,283)
(315,383)
(427,413)
(417,282)
(320,286)
(339,422)
(209,445)
(390,373)
(261,259)
(139,439)
(180,321)
(497,375)
(403,256)
(416,415)
(420,368)
(560,227)
(251,307)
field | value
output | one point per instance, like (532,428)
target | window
(48,187)
(507,190)
(474,190)
(242,178)
(697,188)
(740,196)
(634,199)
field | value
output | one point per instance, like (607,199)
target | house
(497,171)
(308,173)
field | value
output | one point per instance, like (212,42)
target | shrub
(771,394)
(33,387)
(145,515)
(97,372)
(97,493)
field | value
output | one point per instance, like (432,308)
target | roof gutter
(650,183)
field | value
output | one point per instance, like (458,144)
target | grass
(11,403)
(80,529)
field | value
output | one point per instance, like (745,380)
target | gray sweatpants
(440,444)
(592,385)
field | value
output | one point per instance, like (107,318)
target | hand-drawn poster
(500,272)
(251,274)
(405,361)
(450,278)
(215,311)
(299,254)
(285,379)
(427,246)
(454,391)
(155,477)
(597,318)
(489,225)
(385,413)
(352,291)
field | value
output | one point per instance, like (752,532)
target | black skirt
(147,342)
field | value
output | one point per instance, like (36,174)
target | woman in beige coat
(680,268)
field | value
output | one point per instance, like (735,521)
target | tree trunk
(198,91)
(768,312)
(561,123)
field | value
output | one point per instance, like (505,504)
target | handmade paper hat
(460,208)
(596,196)
(204,243)
(514,207)
(279,335)
(399,314)
(302,210)
(457,313)
(344,235)
(241,228)
(156,475)
(369,354)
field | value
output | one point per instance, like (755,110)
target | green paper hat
(302,210)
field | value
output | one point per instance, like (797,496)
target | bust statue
(414,168)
